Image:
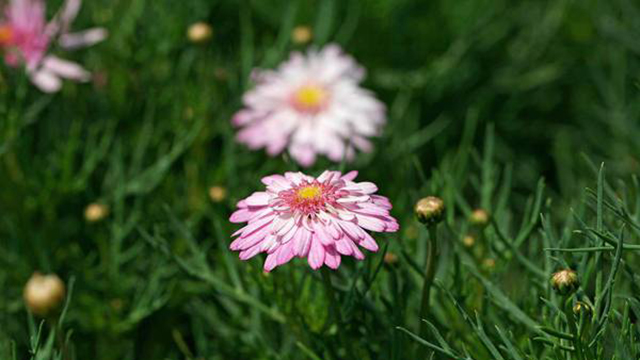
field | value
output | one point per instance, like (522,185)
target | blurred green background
(484,99)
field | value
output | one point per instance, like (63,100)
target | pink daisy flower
(318,218)
(312,104)
(25,39)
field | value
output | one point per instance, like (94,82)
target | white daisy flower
(312,104)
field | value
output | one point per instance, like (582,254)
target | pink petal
(249,253)
(285,253)
(282,225)
(346,215)
(323,235)
(244,243)
(331,258)
(325,176)
(353,230)
(381,201)
(259,198)
(392,226)
(243,117)
(344,247)
(353,199)
(240,216)
(276,183)
(270,244)
(350,176)
(316,254)
(368,243)
(371,209)
(367,187)
(303,244)
(356,252)
(271,262)
(294,177)
(305,155)
(371,223)
(334,230)
(294,233)
(256,225)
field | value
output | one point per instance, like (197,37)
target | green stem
(577,343)
(429,273)
(334,309)
(331,294)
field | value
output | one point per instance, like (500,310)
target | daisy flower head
(26,38)
(312,104)
(320,219)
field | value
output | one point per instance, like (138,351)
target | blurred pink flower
(25,39)
(320,219)
(311,104)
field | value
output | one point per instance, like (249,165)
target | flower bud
(390,258)
(301,34)
(582,308)
(469,241)
(199,32)
(489,264)
(217,194)
(479,217)
(96,212)
(429,210)
(565,282)
(44,293)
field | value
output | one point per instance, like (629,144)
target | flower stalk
(429,274)
(430,212)
(573,327)
(331,295)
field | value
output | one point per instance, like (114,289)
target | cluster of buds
(478,219)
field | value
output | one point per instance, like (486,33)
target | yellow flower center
(309,192)
(310,97)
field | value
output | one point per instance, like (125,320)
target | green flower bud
(479,217)
(429,210)
(565,282)
(582,308)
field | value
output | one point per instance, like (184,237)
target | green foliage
(507,106)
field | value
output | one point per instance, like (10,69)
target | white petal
(83,39)
(65,69)
(63,19)
(46,80)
